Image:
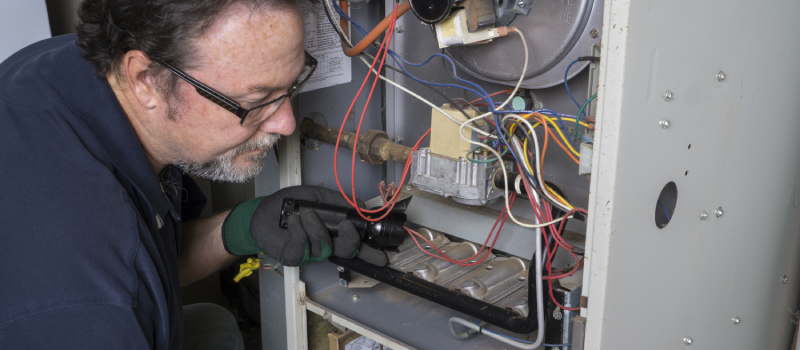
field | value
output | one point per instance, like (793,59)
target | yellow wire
(528,164)
(561,199)
(552,122)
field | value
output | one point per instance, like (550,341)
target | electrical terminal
(454,32)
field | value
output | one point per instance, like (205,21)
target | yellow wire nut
(247,269)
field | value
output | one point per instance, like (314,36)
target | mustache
(263,144)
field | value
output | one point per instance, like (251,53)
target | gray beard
(222,168)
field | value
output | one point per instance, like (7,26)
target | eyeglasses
(246,117)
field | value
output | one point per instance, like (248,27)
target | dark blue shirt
(88,239)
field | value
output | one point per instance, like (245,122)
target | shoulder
(27,77)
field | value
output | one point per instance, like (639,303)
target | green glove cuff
(236,229)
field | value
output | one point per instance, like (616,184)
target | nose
(281,122)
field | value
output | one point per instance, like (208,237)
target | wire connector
(504,30)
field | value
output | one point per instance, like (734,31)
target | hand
(253,227)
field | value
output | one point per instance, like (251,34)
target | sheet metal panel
(730,144)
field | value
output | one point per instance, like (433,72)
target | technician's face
(252,57)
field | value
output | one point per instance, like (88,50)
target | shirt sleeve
(79,327)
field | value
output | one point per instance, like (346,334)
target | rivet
(719,212)
(721,76)
(664,123)
(785,279)
(398,29)
(703,215)
(340,269)
(521,3)
(355,297)
(398,139)
(736,320)
(668,96)
(594,33)
(687,340)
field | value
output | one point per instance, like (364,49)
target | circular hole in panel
(686,173)
(690,146)
(489,268)
(665,204)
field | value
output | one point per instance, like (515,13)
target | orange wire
(374,34)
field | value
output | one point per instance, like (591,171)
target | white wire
(539,300)
(497,154)
(537,166)
(505,178)
(429,103)
(521,77)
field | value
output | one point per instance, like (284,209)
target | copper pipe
(374,146)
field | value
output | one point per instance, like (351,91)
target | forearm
(202,252)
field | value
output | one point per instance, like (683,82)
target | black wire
(530,143)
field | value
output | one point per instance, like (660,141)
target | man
(97,131)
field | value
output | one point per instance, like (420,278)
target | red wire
(546,216)
(444,256)
(506,91)
(385,49)
(352,202)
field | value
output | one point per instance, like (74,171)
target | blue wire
(520,340)
(396,56)
(665,211)
(567,85)
(485,94)
(546,111)
(341,13)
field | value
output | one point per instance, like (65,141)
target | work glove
(253,227)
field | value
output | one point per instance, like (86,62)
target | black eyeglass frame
(231,105)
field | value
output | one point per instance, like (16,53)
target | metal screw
(594,33)
(785,279)
(687,340)
(343,282)
(380,201)
(664,123)
(408,188)
(327,316)
(521,3)
(668,96)
(340,269)
(736,320)
(398,139)
(719,212)
(557,314)
(355,297)
(721,76)
(398,29)
(703,215)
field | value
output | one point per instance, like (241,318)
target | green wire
(581,112)
(482,161)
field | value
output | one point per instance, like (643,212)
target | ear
(142,85)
